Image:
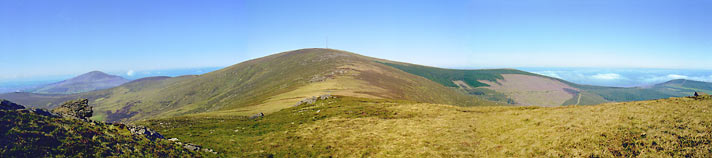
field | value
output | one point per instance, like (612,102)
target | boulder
(191,147)
(146,132)
(260,115)
(7,105)
(78,109)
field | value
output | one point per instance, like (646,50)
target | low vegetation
(446,76)
(356,127)
(37,133)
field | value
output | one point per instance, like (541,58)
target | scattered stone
(173,139)
(325,96)
(7,105)
(77,109)
(313,100)
(260,115)
(146,132)
(209,150)
(191,147)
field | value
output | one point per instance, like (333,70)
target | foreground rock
(7,105)
(78,109)
(39,133)
(101,139)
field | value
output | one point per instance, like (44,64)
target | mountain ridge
(90,81)
(274,82)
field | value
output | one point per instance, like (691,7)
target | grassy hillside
(266,84)
(446,76)
(683,87)
(359,127)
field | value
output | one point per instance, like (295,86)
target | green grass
(354,127)
(446,76)
(240,136)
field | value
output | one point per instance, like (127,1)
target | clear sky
(50,37)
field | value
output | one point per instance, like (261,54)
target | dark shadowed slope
(90,81)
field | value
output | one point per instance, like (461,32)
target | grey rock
(78,109)
(260,115)
(313,100)
(146,132)
(191,147)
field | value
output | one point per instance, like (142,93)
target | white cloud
(676,76)
(549,73)
(130,73)
(607,76)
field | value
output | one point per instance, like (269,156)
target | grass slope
(359,127)
(266,84)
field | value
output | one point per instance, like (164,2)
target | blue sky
(44,38)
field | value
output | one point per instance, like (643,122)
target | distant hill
(275,82)
(95,80)
(525,88)
(266,84)
(386,108)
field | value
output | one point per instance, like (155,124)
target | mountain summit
(90,81)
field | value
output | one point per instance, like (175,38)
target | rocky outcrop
(313,100)
(7,105)
(260,115)
(192,147)
(78,109)
(146,132)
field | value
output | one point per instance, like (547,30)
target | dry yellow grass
(678,126)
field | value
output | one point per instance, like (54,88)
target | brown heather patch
(532,90)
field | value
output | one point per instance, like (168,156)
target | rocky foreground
(68,131)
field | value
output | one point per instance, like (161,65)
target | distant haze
(621,77)
(28,83)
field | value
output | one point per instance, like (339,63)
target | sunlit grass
(355,127)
